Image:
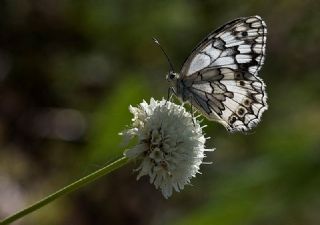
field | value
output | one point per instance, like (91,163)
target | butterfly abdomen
(181,91)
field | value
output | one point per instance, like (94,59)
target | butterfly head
(172,77)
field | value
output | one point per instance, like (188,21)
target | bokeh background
(70,69)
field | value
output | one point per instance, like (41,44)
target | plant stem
(67,189)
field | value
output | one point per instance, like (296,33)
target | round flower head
(170,146)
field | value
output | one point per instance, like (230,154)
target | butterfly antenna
(167,57)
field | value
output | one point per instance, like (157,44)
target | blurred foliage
(70,69)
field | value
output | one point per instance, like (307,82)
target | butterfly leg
(170,93)
(192,113)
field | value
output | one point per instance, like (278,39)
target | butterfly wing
(239,44)
(234,98)
(220,77)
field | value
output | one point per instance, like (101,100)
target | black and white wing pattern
(220,77)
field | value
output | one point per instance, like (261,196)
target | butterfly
(220,79)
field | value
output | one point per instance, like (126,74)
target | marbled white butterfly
(220,79)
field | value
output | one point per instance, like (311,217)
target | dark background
(70,69)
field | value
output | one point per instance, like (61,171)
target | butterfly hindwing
(234,98)
(240,44)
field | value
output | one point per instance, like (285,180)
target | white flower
(170,146)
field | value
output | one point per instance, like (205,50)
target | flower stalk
(67,189)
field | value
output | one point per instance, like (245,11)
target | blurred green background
(70,69)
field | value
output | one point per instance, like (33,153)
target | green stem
(65,190)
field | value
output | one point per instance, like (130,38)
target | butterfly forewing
(220,77)
(238,44)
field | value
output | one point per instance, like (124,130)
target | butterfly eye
(171,76)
